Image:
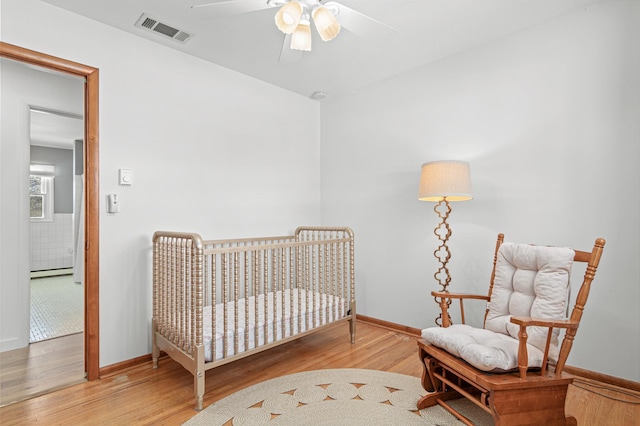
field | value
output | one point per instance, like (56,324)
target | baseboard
(120,366)
(603,378)
(51,273)
(389,325)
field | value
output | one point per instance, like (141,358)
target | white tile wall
(52,243)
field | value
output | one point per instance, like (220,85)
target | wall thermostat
(125,176)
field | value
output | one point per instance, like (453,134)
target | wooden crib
(218,301)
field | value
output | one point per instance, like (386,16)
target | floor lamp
(443,182)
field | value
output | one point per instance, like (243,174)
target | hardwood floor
(609,405)
(143,396)
(41,367)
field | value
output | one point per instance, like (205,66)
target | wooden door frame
(92,194)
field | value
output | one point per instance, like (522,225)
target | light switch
(125,176)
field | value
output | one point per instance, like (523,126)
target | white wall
(51,243)
(548,119)
(210,150)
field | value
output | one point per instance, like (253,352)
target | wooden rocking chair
(512,367)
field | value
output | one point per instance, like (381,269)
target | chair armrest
(543,322)
(524,322)
(459,295)
(444,299)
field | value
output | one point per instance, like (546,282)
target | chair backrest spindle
(499,242)
(593,260)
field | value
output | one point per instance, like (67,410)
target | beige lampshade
(301,37)
(288,17)
(448,180)
(326,23)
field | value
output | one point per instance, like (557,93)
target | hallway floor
(56,307)
(41,368)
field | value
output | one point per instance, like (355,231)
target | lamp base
(442,253)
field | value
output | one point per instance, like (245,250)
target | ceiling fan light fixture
(326,23)
(301,37)
(288,17)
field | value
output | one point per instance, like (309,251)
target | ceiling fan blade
(215,9)
(287,54)
(361,24)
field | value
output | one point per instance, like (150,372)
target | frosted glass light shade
(445,180)
(301,37)
(326,23)
(288,17)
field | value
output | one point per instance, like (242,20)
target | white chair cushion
(484,349)
(530,281)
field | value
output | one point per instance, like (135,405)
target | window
(41,193)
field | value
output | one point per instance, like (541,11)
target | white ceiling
(250,43)
(55,129)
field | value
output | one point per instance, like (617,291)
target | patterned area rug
(56,307)
(334,397)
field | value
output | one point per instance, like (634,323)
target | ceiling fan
(294,19)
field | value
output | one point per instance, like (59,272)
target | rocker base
(510,400)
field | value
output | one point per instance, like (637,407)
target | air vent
(149,23)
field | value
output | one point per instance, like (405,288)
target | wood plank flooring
(41,367)
(143,396)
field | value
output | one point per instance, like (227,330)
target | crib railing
(177,288)
(282,277)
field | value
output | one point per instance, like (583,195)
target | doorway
(56,195)
(91,201)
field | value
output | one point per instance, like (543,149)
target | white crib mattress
(291,317)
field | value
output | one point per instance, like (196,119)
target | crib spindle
(307,287)
(225,313)
(281,284)
(291,251)
(245,269)
(314,280)
(213,305)
(265,301)
(256,295)
(183,334)
(197,294)
(236,320)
